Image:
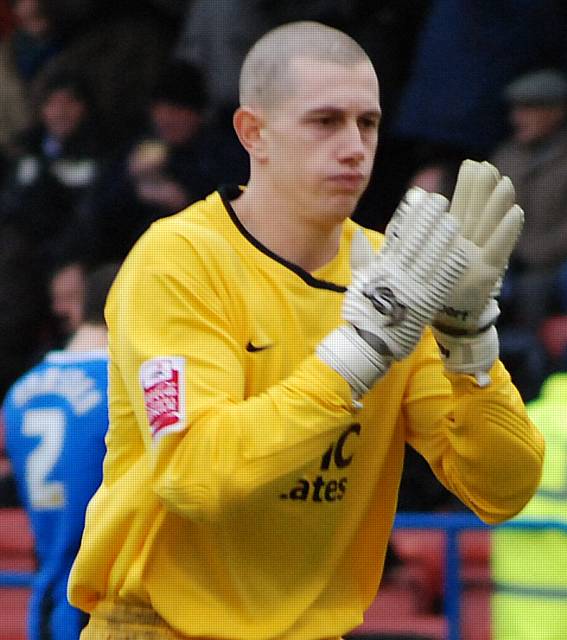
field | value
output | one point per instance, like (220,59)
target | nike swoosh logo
(251,348)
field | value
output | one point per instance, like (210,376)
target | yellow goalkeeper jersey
(245,495)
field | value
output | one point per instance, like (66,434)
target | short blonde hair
(264,78)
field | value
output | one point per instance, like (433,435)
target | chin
(342,205)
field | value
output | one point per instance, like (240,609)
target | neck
(88,337)
(292,235)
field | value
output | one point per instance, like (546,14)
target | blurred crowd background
(114,114)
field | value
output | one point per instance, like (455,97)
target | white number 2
(49,424)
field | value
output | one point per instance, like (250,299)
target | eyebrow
(374,113)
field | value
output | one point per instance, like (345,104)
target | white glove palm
(490,224)
(395,293)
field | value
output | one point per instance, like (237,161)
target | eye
(368,123)
(326,120)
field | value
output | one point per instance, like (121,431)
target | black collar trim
(231,192)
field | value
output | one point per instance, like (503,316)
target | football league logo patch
(163,384)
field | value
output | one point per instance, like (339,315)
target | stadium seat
(399,608)
(425,552)
(426,627)
(13,613)
(394,598)
(16,541)
(16,554)
(475,613)
(475,558)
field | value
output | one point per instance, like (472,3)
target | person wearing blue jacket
(56,419)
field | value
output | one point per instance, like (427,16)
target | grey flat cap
(547,86)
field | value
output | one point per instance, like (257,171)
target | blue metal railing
(451,523)
(16,578)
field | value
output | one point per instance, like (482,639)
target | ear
(248,124)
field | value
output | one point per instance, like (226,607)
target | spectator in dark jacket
(118,49)
(467,51)
(23,53)
(57,163)
(535,158)
(180,159)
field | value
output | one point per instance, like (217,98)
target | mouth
(348,181)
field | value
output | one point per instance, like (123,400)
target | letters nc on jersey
(265,512)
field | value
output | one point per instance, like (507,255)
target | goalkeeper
(269,359)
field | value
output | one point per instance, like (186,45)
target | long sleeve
(225,442)
(236,448)
(479,442)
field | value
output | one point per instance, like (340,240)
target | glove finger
(501,243)
(500,201)
(493,169)
(419,227)
(484,183)
(439,243)
(361,252)
(412,198)
(463,189)
(450,268)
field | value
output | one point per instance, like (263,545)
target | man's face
(67,290)
(321,141)
(533,123)
(62,112)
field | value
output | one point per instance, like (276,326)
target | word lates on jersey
(322,488)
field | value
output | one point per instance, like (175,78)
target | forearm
(235,448)
(484,449)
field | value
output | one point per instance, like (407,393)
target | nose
(352,149)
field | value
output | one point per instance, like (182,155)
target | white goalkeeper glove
(490,224)
(396,292)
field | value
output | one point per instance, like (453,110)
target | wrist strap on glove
(345,351)
(473,355)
